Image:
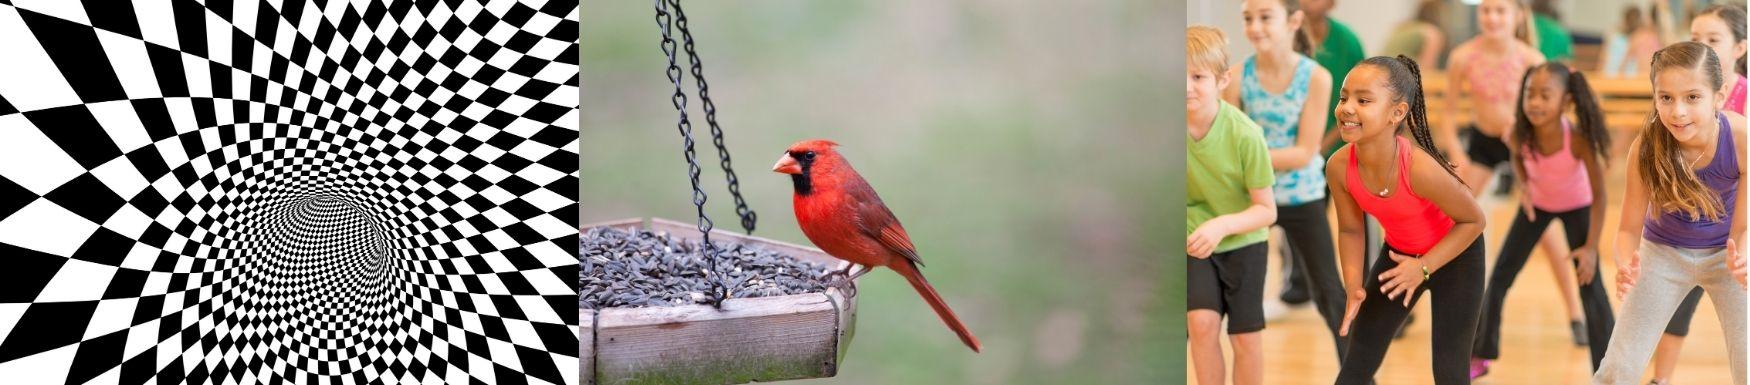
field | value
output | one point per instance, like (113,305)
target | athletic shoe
(1295,295)
(1478,367)
(1579,330)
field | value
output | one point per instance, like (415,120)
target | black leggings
(1308,230)
(1522,236)
(1679,325)
(1458,297)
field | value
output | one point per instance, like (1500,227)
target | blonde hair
(1526,30)
(1671,184)
(1206,48)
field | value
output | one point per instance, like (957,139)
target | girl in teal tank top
(1285,92)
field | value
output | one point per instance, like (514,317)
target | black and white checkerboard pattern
(288,192)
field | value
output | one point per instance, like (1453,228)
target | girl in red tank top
(1433,226)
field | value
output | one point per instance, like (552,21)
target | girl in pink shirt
(1561,167)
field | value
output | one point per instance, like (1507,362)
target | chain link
(748,217)
(679,100)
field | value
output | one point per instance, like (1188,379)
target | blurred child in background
(1485,69)
(1631,47)
(1420,37)
(1561,169)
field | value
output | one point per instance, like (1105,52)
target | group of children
(1257,158)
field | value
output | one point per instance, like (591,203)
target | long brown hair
(1302,41)
(1671,185)
(1525,29)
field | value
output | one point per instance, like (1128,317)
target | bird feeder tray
(750,339)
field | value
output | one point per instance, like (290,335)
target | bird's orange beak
(787,165)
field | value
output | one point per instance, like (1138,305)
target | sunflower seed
(620,268)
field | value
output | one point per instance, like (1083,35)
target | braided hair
(1404,78)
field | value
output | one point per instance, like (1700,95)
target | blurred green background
(1029,147)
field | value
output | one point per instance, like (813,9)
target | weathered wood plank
(750,339)
(624,224)
(847,323)
(586,345)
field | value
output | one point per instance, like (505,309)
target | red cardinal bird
(841,214)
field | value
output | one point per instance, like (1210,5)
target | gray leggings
(1667,274)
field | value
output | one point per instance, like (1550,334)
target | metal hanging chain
(748,217)
(679,99)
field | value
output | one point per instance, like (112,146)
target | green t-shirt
(1223,167)
(1340,53)
(1552,40)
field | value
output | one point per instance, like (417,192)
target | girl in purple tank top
(1681,223)
(1720,27)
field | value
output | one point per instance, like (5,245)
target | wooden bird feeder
(750,339)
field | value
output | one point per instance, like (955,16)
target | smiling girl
(1720,27)
(1433,227)
(1681,219)
(1277,86)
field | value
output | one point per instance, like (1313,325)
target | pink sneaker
(1478,367)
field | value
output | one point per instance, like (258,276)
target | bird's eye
(808,155)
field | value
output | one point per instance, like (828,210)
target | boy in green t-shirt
(1229,207)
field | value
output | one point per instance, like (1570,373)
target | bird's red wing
(877,222)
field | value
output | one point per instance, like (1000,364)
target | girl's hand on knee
(1586,260)
(1735,261)
(1402,280)
(1626,274)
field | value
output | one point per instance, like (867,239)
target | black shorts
(1485,150)
(1230,283)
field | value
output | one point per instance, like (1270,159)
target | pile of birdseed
(622,268)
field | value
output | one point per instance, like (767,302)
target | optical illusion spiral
(284,191)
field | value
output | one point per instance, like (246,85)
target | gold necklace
(1390,169)
(1697,159)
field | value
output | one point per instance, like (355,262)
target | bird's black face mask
(802,182)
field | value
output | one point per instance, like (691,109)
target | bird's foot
(843,280)
(846,286)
